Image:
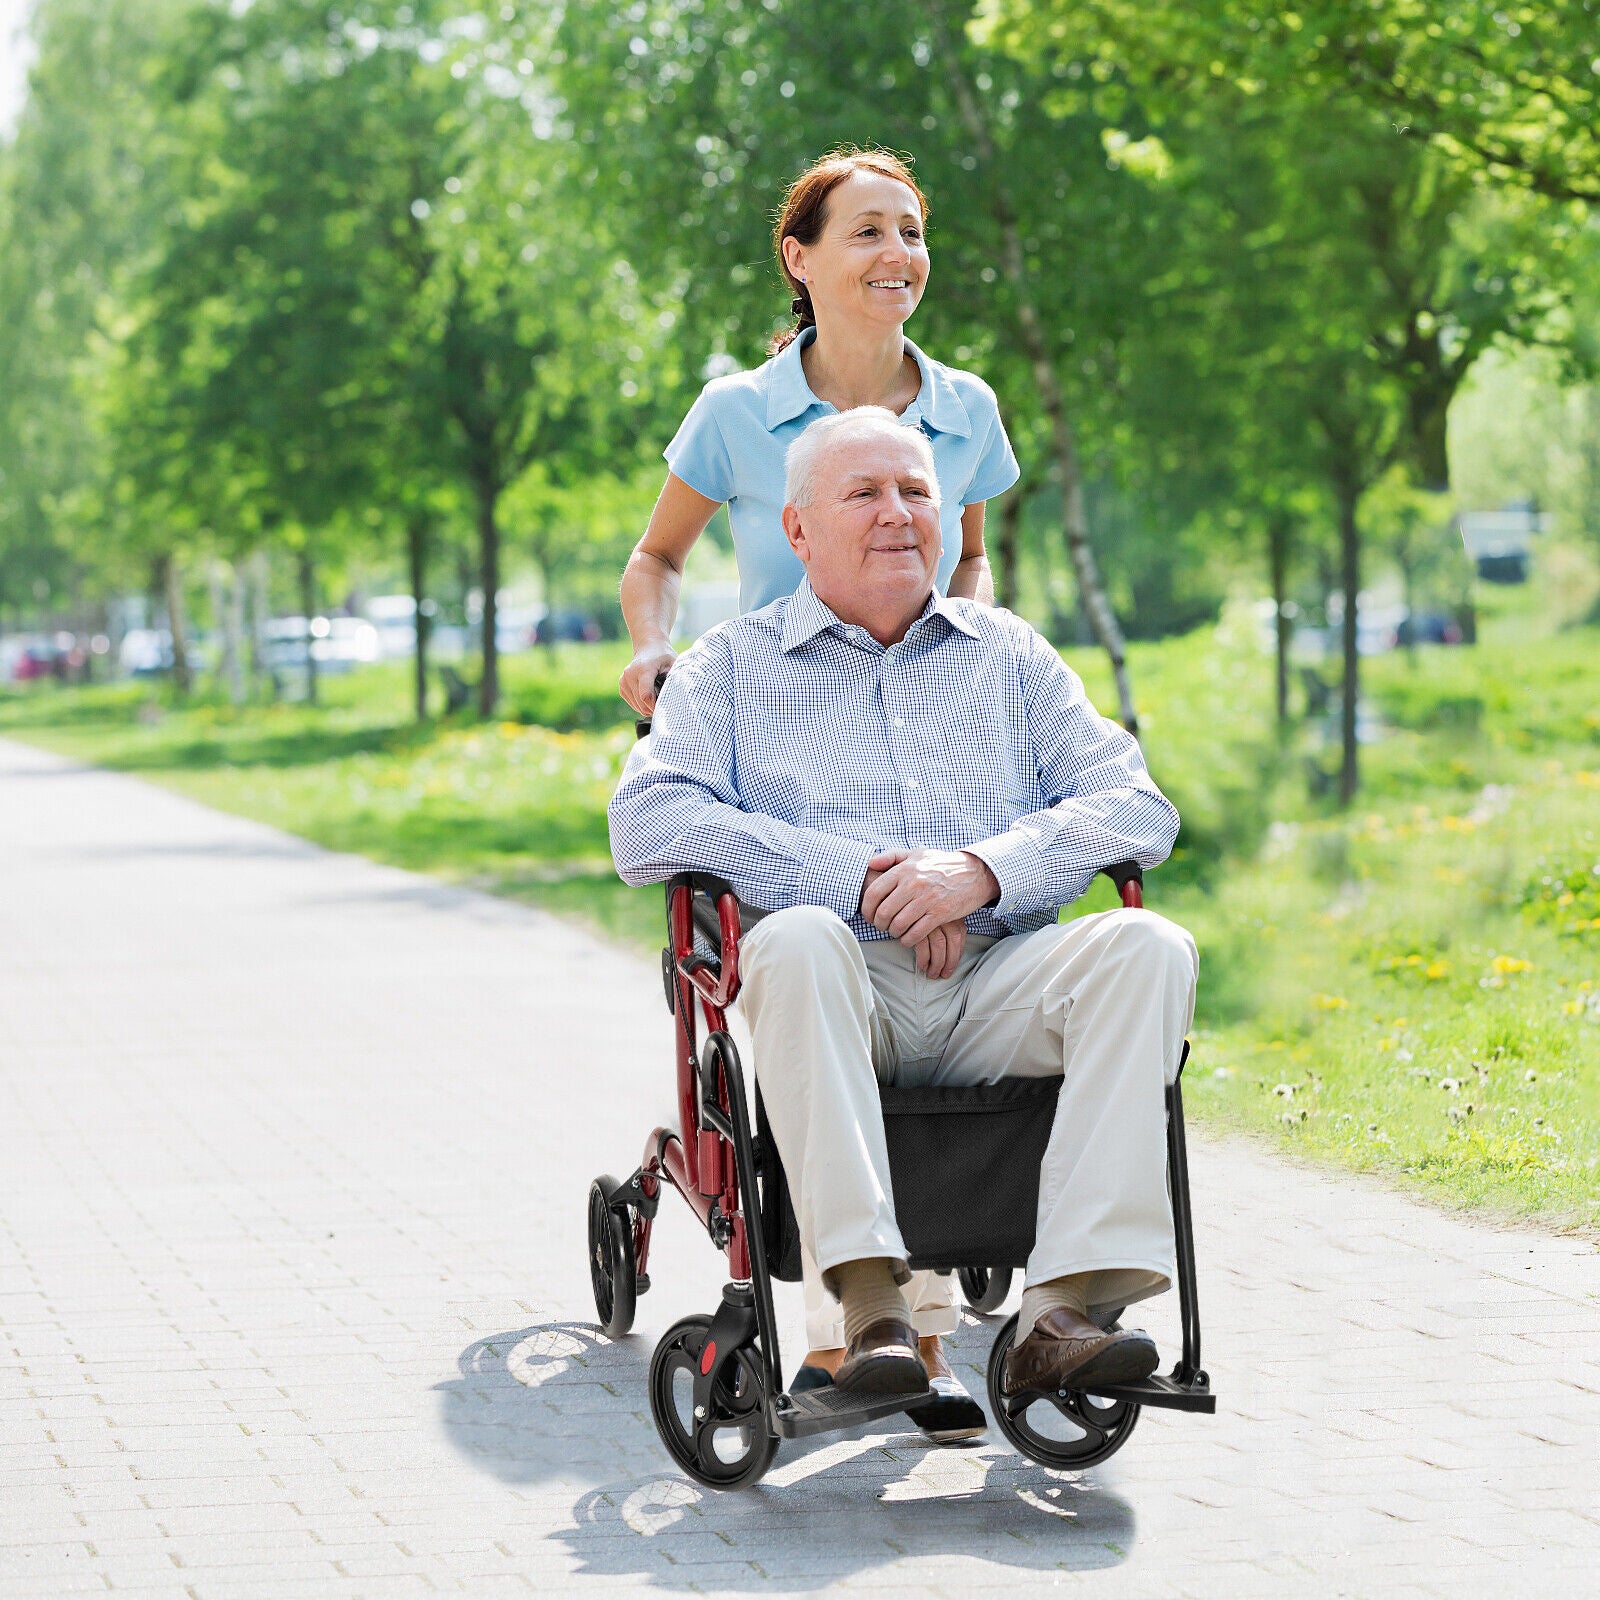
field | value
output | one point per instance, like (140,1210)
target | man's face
(871,535)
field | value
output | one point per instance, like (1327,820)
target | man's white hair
(861,422)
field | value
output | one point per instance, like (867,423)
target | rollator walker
(965,1168)
(964,1164)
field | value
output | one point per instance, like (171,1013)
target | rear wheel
(611,1266)
(1067,1429)
(986,1288)
(728,1448)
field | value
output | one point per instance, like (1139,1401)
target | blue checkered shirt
(789,748)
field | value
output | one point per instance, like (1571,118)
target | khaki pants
(1104,1000)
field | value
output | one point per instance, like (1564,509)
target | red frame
(702,1168)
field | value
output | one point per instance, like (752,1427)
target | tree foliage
(340,280)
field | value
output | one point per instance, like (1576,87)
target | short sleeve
(699,453)
(997,467)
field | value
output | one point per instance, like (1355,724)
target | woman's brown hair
(804,214)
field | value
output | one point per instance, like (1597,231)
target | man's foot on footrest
(882,1360)
(1066,1351)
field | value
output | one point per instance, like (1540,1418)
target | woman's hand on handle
(642,676)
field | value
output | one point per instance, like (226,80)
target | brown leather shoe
(1066,1351)
(883,1360)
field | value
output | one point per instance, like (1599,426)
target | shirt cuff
(1018,868)
(832,871)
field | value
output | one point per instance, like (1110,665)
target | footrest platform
(795,1416)
(1165,1391)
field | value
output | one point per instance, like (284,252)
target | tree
(1368,262)
(378,287)
(81,186)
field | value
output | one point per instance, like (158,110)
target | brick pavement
(293,1301)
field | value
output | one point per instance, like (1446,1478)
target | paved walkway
(293,1300)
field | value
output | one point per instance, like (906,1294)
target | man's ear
(795,533)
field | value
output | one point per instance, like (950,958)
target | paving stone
(293,1288)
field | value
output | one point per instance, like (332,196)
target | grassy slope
(1412,988)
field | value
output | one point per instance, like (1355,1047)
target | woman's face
(871,260)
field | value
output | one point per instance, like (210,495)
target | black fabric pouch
(965,1168)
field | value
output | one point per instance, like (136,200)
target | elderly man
(912,786)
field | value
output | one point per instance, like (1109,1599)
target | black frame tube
(1188,1369)
(720,1046)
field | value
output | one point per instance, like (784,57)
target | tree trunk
(1005,547)
(256,612)
(227,613)
(1350,581)
(1428,408)
(489,579)
(417,550)
(1091,592)
(236,631)
(546,632)
(172,593)
(1278,531)
(1408,597)
(217,593)
(308,606)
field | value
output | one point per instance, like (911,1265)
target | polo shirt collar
(805,616)
(789,395)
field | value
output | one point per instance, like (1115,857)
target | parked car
(395,618)
(283,643)
(517,628)
(337,643)
(343,642)
(1429,627)
(569,626)
(145,652)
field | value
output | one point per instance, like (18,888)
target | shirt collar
(805,616)
(937,403)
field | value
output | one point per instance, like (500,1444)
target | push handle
(1129,879)
(641,728)
(715,980)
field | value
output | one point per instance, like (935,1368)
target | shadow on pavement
(560,1405)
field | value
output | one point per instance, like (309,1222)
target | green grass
(1412,988)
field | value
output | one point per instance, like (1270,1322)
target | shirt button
(911,783)
(899,722)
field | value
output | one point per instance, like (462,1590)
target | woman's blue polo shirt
(732,444)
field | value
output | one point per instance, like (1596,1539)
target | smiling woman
(850,242)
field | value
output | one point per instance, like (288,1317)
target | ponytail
(805,316)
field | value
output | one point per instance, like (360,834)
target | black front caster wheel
(729,1447)
(611,1264)
(986,1288)
(1067,1430)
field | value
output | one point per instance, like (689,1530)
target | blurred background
(339,343)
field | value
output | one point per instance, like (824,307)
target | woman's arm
(650,587)
(972,579)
